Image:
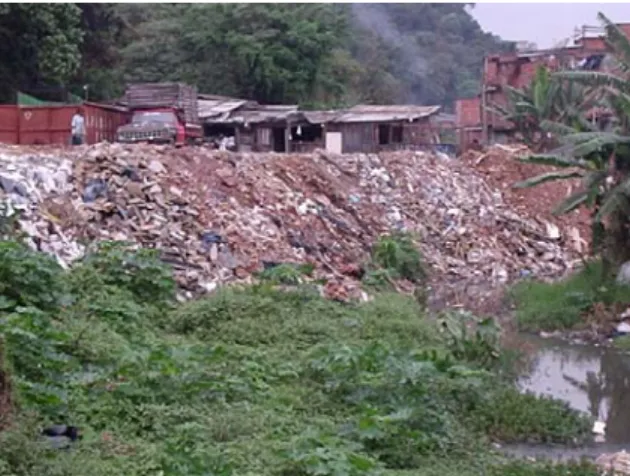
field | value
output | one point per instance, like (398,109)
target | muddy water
(594,380)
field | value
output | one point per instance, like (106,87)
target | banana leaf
(547,177)
(557,128)
(570,203)
(552,159)
(595,79)
(616,198)
(617,40)
(597,143)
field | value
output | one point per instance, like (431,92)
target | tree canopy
(319,55)
(38,42)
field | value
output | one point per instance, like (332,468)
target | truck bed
(154,95)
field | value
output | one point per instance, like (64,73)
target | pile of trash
(614,463)
(218,217)
(500,167)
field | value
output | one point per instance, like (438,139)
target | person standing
(78,128)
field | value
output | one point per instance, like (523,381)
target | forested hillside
(318,55)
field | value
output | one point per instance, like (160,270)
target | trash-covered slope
(218,217)
(501,168)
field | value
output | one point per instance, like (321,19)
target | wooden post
(237,138)
(287,137)
(484,117)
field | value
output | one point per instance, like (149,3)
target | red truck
(161,113)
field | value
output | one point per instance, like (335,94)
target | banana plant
(546,98)
(600,158)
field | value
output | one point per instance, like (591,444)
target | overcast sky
(544,23)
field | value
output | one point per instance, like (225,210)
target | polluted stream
(591,379)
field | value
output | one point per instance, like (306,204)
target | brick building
(476,124)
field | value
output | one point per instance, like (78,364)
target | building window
(390,134)
(264,136)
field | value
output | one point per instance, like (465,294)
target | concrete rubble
(614,463)
(217,216)
(501,168)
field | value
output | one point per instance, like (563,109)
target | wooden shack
(283,128)
(370,129)
(251,126)
(265,128)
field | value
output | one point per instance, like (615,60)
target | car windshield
(162,116)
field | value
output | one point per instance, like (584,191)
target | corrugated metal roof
(445,117)
(211,108)
(320,117)
(259,114)
(235,111)
(278,107)
(367,113)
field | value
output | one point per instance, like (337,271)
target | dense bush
(28,278)
(117,264)
(250,381)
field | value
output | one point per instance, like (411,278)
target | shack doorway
(278,139)
(220,135)
(215,130)
(383,134)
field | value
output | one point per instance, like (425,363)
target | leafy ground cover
(250,381)
(586,296)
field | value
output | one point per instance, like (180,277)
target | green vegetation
(38,42)
(564,304)
(622,343)
(559,109)
(545,102)
(545,469)
(399,256)
(598,151)
(251,381)
(394,257)
(511,416)
(320,55)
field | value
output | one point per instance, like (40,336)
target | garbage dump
(614,463)
(218,216)
(501,168)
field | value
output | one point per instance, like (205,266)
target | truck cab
(161,125)
(161,113)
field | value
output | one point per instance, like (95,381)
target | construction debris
(499,166)
(218,216)
(614,463)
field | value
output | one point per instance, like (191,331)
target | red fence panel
(45,124)
(52,124)
(102,121)
(9,130)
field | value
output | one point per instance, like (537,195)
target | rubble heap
(217,217)
(501,168)
(614,463)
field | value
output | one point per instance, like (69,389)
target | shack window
(264,136)
(397,134)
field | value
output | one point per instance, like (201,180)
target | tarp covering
(28,100)
(24,99)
